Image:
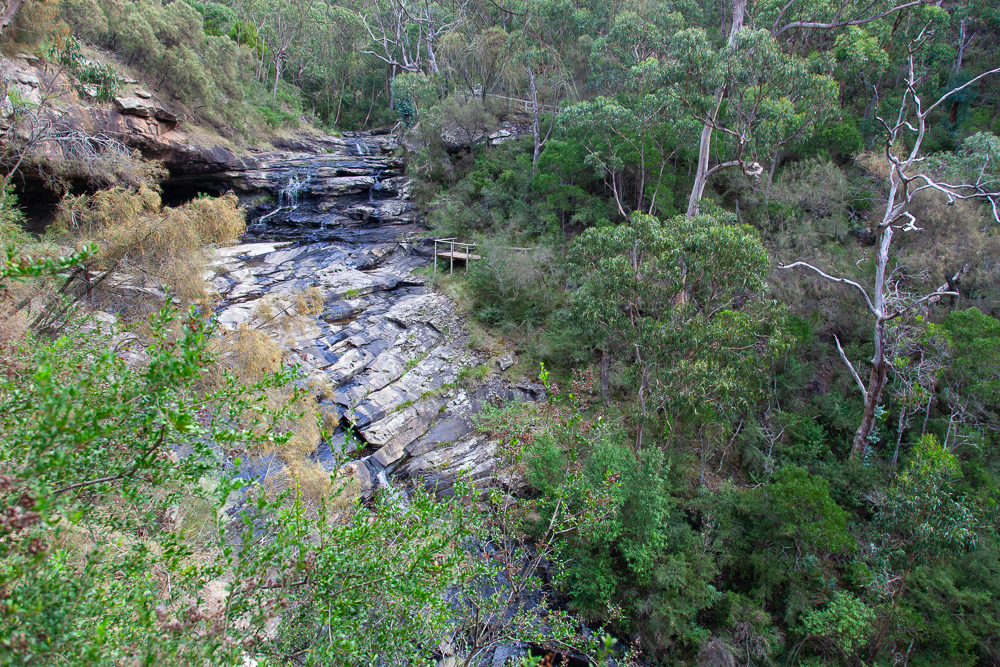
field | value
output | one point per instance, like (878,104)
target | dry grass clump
(145,244)
(285,315)
(250,354)
(309,302)
(247,353)
(101,161)
(315,482)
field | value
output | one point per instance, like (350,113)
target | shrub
(845,621)
(170,44)
(140,238)
(106,470)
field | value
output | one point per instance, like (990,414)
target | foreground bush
(113,541)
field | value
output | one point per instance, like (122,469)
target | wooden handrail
(451,242)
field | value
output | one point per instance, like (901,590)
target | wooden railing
(462,254)
(512,102)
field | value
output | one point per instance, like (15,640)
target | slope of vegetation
(760,286)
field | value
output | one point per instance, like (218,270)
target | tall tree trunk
(961,46)
(340,102)
(880,364)
(392,93)
(606,376)
(430,55)
(704,155)
(535,130)
(739,8)
(277,77)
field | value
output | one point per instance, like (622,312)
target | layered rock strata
(392,351)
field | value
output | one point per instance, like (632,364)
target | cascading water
(325,194)
(289,195)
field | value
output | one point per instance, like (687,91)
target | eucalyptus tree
(971,173)
(635,134)
(753,93)
(682,301)
(328,56)
(922,518)
(405,33)
(637,131)
(753,88)
(539,60)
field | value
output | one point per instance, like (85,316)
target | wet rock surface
(346,189)
(393,351)
(389,351)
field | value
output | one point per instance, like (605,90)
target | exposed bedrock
(388,351)
(327,213)
(308,186)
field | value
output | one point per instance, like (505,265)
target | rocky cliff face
(331,214)
(392,350)
(328,188)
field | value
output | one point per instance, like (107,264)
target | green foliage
(103,464)
(636,551)
(805,514)
(923,517)
(775,96)
(656,292)
(975,350)
(838,140)
(170,44)
(18,267)
(96,453)
(630,141)
(845,620)
(104,78)
(413,93)
(219,19)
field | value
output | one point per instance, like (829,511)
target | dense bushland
(754,243)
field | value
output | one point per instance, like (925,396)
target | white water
(289,195)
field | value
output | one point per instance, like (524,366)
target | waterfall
(377,175)
(391,494)
(289,195)
(361,148)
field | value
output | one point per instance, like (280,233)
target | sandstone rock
(347,185)
(133,106)
(456,138)
(21,80)
(143,94)
(349,365)
(505,362)
(440,468)
(444,432)
(361,475)
(392,434)
(508,654)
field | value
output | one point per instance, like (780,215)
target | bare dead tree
(909,175)
(389,27)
